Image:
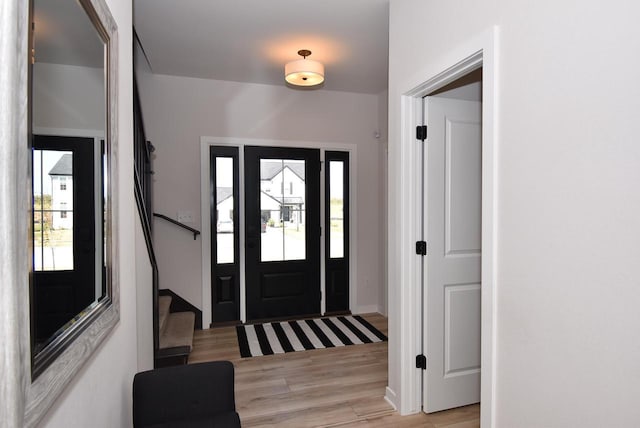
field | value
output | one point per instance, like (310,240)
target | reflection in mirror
(69,121)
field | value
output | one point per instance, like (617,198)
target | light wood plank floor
(336,387)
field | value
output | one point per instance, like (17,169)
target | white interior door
(452,265)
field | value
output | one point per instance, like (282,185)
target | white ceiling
(251,40)
(64,34)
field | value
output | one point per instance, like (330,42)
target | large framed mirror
(73,299)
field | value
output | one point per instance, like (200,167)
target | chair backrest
(190,392)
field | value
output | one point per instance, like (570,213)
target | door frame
(404,264)
(208,141)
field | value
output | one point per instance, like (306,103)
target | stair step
(179,330)
(164,303)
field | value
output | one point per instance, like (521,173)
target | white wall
(144,299)
(68,97)
(568,202)
(178,111)
(100,395)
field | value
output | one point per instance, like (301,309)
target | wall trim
(68,132)
(367,309)
(390,397)
(205,215)
(404,309)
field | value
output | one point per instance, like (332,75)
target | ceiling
(251,40)
(63,34)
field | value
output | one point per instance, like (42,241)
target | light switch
(185,216)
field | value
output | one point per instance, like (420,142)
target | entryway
(339,386)
(279,232)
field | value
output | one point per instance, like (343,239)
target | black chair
(189,396)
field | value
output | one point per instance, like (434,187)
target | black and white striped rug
(300,335)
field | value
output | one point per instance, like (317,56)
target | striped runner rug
(290,336)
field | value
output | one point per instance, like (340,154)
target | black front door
(64,223)
(282,242)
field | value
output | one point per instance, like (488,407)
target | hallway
(334,387)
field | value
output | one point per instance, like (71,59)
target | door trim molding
(205,215)
(404,264)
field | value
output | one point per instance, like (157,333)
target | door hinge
(421,132)
(421,362)
(421,248)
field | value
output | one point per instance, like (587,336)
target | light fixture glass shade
(304,72)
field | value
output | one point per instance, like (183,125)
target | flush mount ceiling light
(304,72)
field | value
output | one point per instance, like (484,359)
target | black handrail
(177,223)
(142,172)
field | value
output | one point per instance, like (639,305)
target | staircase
(175,333)
(174,319)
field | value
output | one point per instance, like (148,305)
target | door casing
(404,302)
(205,143)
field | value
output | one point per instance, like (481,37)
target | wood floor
(336,387)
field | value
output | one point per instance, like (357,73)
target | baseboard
(390,397)
(367,309)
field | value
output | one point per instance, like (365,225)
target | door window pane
(336,209)
(52,210)
(282,210)
(225,227)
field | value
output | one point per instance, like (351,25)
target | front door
(282,225)
(453,231)
(65,253)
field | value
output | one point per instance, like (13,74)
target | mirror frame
(27,401)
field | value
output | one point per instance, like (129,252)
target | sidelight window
(336,209)
(52,210)
(225,227)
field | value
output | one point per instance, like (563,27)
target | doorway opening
(279,243)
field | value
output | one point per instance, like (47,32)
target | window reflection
(52,210)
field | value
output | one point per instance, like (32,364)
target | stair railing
(177,223)
(142,173)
